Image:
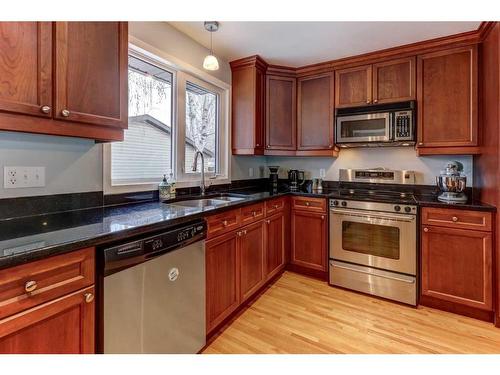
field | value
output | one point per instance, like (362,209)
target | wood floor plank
(298,314)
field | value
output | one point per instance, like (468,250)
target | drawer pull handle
(254,213)
(224,223)
(275,206)
(426,230)
(89,297)
(45,109)
(455,219)
(30,286)
(308,204)
(65,113)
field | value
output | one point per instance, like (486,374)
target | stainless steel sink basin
(229,198)
(201,203)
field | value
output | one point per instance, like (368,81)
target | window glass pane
(201,127)
(146,152)
(371,239)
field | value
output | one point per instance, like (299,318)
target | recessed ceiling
(302,43)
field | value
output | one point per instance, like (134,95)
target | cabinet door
(61,326)
(26,68)
(447,98)
(275,244)
(280,113)
(91,72)
(309,239)
(222,278)
(457,266)
(394,81)
(251,259)
(353,86)
(315,112)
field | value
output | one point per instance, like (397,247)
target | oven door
(374,239)
(371,127)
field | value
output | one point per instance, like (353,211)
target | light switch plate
(23,177)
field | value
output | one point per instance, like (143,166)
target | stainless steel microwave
(376,125)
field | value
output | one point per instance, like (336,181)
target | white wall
(71,165)
(394,158)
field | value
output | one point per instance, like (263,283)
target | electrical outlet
(23,177)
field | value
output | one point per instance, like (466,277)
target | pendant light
(210,62)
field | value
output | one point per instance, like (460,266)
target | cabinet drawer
(309,204)
(453,218)
(275,205)
(31,284)
(252,213)
(223,223)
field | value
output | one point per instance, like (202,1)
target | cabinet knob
(254,213)
(45,109)
(375,101)
(65,113)
(89,297)
(268,221)
(420,143)
(426,230)
(455,219)
(257,145)
(330,146)
(367,102)
(322,217)
(308,204)
(224,223)
(30,286)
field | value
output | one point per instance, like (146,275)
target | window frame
(179,70)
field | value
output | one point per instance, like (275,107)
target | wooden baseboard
(322,275)
(455,308)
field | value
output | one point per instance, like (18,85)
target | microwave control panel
(404,125)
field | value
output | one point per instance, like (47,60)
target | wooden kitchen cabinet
(252,259)
(383,82)
(275,244)
(353,86)
(248,106)
(281,130)
(26,68)
(309,237)
(447,86)
(62,326)
(315,112)
(222,278)
(64,78)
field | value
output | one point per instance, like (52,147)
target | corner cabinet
(447,86)
(64,78)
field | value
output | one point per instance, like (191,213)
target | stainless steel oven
(381,125)
(373,248)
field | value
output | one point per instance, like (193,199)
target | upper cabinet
(26,68)
(91,72)
(64,78)
(315,112)
(447,102)
(385,82)
(248,106)
(280,113)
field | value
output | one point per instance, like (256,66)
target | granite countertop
(35,237)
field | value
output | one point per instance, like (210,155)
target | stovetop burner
(374,195)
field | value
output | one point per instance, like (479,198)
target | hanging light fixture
(210,62)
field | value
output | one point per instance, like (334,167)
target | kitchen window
(172,114)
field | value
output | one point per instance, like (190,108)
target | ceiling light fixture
(210,62)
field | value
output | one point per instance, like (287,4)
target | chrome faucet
(195,167)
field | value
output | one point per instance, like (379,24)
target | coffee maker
(273,179)
(295,179)
(452,183)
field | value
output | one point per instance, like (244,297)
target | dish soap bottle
(164,189)
(171,182)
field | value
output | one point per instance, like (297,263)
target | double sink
(212,201)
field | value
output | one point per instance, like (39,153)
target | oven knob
(407,209)
(344,203)
(397,208)
(335,203)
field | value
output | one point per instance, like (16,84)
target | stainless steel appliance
(376,125)
(154,293)
(373,240)
(273,178)
(296,179)
(452,183)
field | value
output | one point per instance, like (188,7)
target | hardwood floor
(298,314)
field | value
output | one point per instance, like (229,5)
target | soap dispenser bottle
(164,189)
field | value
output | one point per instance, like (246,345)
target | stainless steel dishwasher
(154,293)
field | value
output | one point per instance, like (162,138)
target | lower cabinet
(457,266)
(309,240)
(61,326)
(275,244)
(222,278)
(252,262)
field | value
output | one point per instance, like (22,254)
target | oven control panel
(404,125)
(405,209)
(340,205)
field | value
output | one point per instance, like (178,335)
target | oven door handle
(371,215)
(373,274)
